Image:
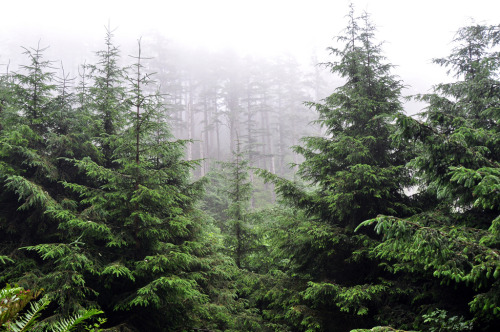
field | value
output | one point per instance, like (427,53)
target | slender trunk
(189,119)
(281,132)
(203,159)
(217,134)
(250,139)
(294,142)
(192,122)
(270,150)
(137,148)
(233,122)
(205,144)
(239,247)
(263,139)
(216,115)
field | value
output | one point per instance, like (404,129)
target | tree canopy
(116,216)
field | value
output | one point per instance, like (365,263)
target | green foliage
(354,172)
(392,219)
(379,329)
(348,299)
(6,260)
(228,200)
(107,98)
(71,323)
(456,241)
(13,300)
(96,202)
(438,321)
(33,91)
(26,322)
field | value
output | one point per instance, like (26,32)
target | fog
(415,32)
(190,39)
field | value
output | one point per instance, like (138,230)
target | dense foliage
(101,213)
(391,224)
(356,173)
(456,239)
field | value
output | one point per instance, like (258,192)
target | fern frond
(25,322)
(9,292)
(68,324)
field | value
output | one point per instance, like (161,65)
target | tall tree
(34,90)
(356,173)
(456,241)
(27,171)
(120,232)
(108,96)
(239,193)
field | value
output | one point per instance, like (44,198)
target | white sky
(414,31)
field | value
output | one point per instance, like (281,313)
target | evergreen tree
(455,242)
(356,174)
(228,201)
(121,232)
(33,91)
(239,192)
(107,97)
(27,172)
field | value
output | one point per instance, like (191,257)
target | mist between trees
(213,96)
(177,189)
(217,99)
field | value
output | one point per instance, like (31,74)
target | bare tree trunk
(204,148)
(281,133)
(189,119)
(233,122)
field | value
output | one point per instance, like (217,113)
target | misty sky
(414,31)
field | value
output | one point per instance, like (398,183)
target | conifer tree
(108,96)
(27,172)
(130,241)
(239,192)
(33,91)
(121,232)
(227,199)
(357,174)
(455,242)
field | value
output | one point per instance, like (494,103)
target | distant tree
(239,192)
(293,119)
(228,199)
